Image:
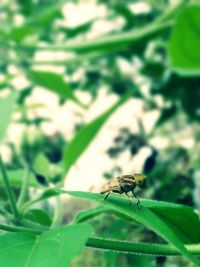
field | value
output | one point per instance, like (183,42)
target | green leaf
(110,258)
(55,83)
(52,192)
(85,215)
(54,248)
(36,23)
(3,32)
(46,16)
(42,165)
(145,216)
(85,136)
(184,43)
(144,261)
(166,115)
(52,172)
(76,30)
(38,216)
(182,220)
(16,179)
(88,214)
(6,110)
(161,217)
(19,33)
(126,13)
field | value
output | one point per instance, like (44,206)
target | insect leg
(138,201)
(128,197)
(106,195)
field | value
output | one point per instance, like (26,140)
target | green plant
(177,224)
(34,230)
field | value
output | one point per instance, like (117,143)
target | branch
(139,248)
(15,229)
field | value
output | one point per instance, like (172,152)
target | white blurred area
(87,173)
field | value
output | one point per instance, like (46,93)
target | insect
(125,184)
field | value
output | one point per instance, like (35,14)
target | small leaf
(76,30)
(19,33)
(39,216)
(85,136)
(184,43)
(126,13)
(54,248)
(42,165)
(55,83)
(6,110)
(46,16)
(166,115)
(52,192)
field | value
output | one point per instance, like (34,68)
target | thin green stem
(172,11)
(110,42)
(57,218)
(33,225)
(24,188)
(139,248)
(25,207)
(6,214)
(23,222)
(15,229)
(9,191)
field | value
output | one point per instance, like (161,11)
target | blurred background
(95,89)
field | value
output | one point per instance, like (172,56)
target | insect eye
(142,184)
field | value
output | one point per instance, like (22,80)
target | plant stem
(140,248)
(57,218)
(109,42)
(172,10)
(6,214)
(23,222)
(24,189)
(34,225)
(15,229)
(9,191)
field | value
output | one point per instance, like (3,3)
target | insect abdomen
(115,189)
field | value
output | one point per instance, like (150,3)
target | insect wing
(113,185)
